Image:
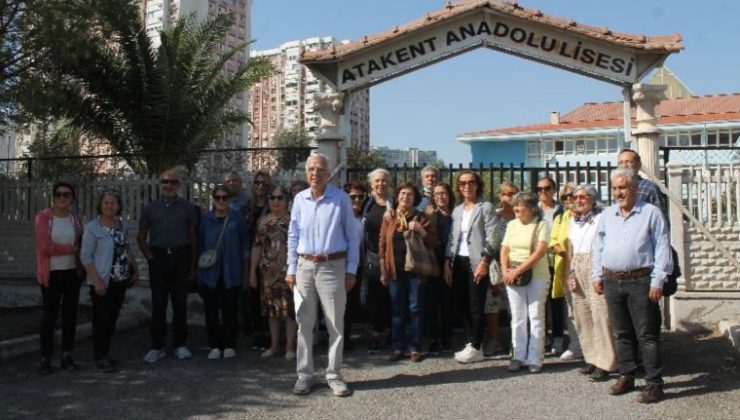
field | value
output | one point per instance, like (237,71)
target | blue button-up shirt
(322,226)
(636,241)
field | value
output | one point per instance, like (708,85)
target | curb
(29,344)
(731,330)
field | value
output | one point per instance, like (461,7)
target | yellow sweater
(559,236)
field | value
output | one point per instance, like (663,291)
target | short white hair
(628,173)
(321,157)
(378,171)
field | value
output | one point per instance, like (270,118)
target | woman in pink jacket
(58,234)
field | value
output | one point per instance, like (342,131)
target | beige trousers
(592,318)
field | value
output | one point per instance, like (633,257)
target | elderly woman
(110,271)
(269,254)
(472,244)
(589,308)
(404,286)
(559,248)
(226,231)
(58,233)
(378,300)
(524,248)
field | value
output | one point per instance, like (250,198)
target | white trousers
(320,282)
(528,303)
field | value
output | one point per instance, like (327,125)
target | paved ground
(702,381)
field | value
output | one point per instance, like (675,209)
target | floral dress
(272,240)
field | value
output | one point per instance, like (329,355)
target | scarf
(582,219)
(402,223)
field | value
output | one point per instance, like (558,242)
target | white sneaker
(557,346)
(214,354)
(570,355)
(469,355)
(229,353)
(153,356)
(289,355)
(182,353)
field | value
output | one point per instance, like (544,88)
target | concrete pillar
(330,106)
(675,180)
(646,97)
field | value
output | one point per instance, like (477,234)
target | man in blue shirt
(647,191)
(631,259)
(323,253)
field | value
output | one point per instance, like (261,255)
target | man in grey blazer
(474,241)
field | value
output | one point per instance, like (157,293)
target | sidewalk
(701,376)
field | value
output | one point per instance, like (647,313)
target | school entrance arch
(600,53)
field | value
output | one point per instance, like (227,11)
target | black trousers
(63,290)
(168,280)
(555,311)
(105,314)
(636,322)
(352,307)
(222,314)
(378,305)
(469,299)
(437,310)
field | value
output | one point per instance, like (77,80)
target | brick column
(646,97)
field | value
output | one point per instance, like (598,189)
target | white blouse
(582,236)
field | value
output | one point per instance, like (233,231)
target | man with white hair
(631,260)
(323,253)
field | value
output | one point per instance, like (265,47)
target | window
(601,146)
(724,138)
(533,149)
(547,147)
(696,139)
(613,145)
(711,138)
(590,147)
(580,147)
(559,147)
(683,139)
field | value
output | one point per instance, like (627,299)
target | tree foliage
(364,159)
(97,67)
(50,144)
(297,149)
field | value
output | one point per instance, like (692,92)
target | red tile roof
(696,109)
(658,44)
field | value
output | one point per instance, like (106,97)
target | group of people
(336,254)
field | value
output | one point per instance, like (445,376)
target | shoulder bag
(209,257)
(419,259)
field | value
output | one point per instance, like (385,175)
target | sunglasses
(169,181)
(467,183)
(541,189)
(580,197)
(357,197)
(60,194)
(276,197)
(508,194)
(259,183)
(220,197)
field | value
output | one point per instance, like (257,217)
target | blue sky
(485,89)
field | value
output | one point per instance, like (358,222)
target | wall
(499,152)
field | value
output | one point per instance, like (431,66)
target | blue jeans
(406,297)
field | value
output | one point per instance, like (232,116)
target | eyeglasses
(276,197)
(220,197)
(60,194)
(508,193)
(169,181)
(581,197)
(357,197)
(467,183)
(567,196)
(441,194)
(542,189)
(259,183)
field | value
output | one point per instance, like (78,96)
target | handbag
(372,264)
(526,277)
(494,273)
(419,259)
(209,257)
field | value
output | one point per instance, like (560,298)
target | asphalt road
(702,382)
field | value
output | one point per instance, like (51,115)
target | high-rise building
(160,15)
(285,101)
(410,157)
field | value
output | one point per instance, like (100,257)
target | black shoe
(623,385)
(45,367)
(68,364)
(652,393)
(434,348)
(599,375)
(105,365)
(373,347)
(587,369)
(447,347)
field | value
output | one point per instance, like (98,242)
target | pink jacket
(45,248)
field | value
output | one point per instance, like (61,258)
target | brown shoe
(396,356)
(416,357)
(652,393)
(623,385)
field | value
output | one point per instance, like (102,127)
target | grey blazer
(484,236)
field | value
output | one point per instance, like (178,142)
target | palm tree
(98,68)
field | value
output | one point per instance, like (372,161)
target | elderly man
(631,259)
(429,180)
(647,191)
(323,253)
(239,199)
(169,224)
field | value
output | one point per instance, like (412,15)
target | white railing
(712,193)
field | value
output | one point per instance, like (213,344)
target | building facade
(285,101)
(410,157)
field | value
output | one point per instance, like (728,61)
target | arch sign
(599,53)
